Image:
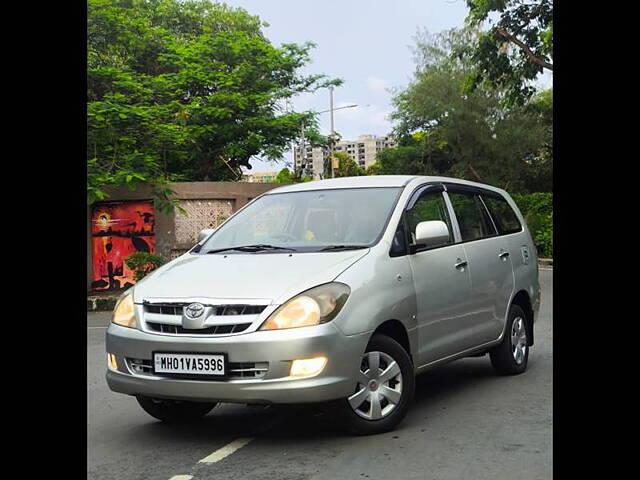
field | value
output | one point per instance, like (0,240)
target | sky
(364,42)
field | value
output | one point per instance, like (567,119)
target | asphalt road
(465,423)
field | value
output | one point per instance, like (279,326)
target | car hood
(274,277)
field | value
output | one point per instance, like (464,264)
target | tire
(512,355)
(388,350)
(174,411)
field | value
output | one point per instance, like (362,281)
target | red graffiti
(119,229)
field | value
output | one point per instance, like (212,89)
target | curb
(545,262)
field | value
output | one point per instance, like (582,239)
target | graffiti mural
(119,229)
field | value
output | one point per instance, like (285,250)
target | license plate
(189,363)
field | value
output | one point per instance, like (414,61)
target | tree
(284,176)
(539,175)
(444,131)
(186,91)
(515,49)
(347,167)
(374,169)
(405,159)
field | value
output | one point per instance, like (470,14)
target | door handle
(460,263)
(502,255)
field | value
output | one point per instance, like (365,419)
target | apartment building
(312,163)
(363,151)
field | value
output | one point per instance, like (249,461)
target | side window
(502,213)
(473,219)
(429,206)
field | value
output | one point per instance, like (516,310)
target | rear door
(441,279)
(516,242)
(489,265)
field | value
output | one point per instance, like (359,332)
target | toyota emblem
(194,310)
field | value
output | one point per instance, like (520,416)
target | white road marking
(181,477)
(226,450)
(547,269)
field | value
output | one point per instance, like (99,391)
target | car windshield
(314,220)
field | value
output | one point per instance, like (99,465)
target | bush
(143,263)
(537,209)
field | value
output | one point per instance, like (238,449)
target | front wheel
(383,392)
(173,411)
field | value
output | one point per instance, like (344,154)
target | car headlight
(124,314)
(318,305)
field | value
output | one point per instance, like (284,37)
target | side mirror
(205,233)
(432,233)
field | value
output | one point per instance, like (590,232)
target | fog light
(111,361)
(307,367)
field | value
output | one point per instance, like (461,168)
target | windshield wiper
(259,247)
(342,247)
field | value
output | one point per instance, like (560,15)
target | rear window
(502,213)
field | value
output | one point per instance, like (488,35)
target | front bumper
(278,348)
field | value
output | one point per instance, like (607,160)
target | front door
(442,282)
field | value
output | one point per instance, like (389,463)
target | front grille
(141,367)
(173,309)
(237,370)
(248,369)
(213,330)
(239,309)
(220,310)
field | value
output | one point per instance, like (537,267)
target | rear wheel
(512,355)
(383,392)
(173,411)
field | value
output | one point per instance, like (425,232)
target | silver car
(337,291)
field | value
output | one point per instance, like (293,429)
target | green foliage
(444,131)
(537,209)
(143,263)
(186,91)
(539,174)
(405,159)
(347,167)
(514,50)
(374,169)
(284,176)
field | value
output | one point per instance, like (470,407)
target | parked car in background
(336,291)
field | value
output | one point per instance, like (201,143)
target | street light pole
(331,106)
(303,153)
(332,130)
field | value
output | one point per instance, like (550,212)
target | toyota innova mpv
(336,291)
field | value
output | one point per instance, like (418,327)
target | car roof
(371,181)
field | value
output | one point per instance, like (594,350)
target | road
(465,423)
